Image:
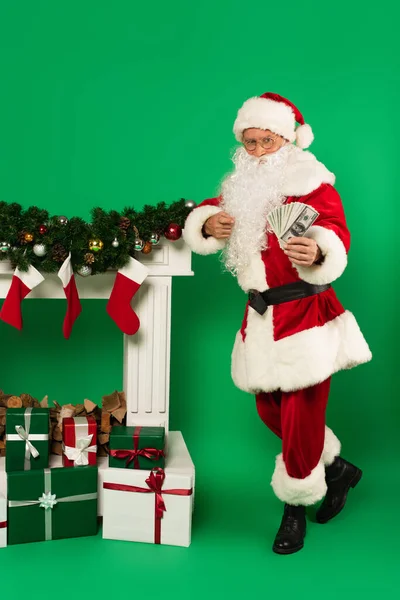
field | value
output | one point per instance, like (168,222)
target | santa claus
(295,333)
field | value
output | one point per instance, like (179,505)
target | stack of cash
(291,220)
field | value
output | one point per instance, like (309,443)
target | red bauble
(173,232)
(43,229)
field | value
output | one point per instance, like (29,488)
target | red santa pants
(298,418)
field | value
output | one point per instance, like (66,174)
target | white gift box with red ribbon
(151,506)
(148,506)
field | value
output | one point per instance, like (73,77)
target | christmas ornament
(42,229)
(190,204)
(62,220)
(59,253)
(173,232)
(39,249)
(85,271)
(139,244)
(124,224)
(4,246)
(89,258)
(22,283)
(28,237)
(147,248)
(74,308)
(95,245)
(115,243)
(154,239)
(127,282)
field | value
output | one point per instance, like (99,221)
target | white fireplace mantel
(146,354)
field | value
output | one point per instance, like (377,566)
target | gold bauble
(95,245)
(147,248)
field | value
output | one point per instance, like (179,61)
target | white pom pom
(304,136)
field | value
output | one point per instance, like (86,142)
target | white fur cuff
(334,253)
(332,447)
(193,235)
(298,492)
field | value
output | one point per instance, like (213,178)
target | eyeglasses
(265,143)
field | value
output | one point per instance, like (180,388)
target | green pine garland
(76,234)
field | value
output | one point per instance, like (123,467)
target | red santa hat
(276,113)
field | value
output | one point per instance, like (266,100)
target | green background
(123,102)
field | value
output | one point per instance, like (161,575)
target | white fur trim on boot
(298,492)
(332,447)
(334,253)
(193,235)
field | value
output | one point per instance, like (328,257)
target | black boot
(291,534)
(340,477)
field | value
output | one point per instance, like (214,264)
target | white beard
(248,195)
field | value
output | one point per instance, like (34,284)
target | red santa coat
(300,343)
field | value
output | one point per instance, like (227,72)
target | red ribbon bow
(155,482)
(3,524)
(133,455)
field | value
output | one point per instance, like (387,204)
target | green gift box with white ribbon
(27,439)
(51,504)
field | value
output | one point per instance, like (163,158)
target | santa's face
(259,142)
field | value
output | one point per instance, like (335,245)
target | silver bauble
(39,249)
(85,271)
(190,204)
(154,239)
(115,243)
(62,220)
(4,247)
(139,244)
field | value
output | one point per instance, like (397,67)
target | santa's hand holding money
(302,251)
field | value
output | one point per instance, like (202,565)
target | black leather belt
(260,301)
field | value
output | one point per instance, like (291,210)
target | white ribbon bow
(47,500)
(25,437)
(80,454)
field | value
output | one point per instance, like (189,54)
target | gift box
(27,437)
(79,441)
(148,506)
(3,521)
(137,447)
(51,504)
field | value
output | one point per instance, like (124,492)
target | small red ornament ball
(42,229)
(173,232)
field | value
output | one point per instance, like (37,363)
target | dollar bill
(301,224)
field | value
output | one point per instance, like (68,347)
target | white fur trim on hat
(192,233)
(304,136)
(263,113)
(332,447)
(298,492)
